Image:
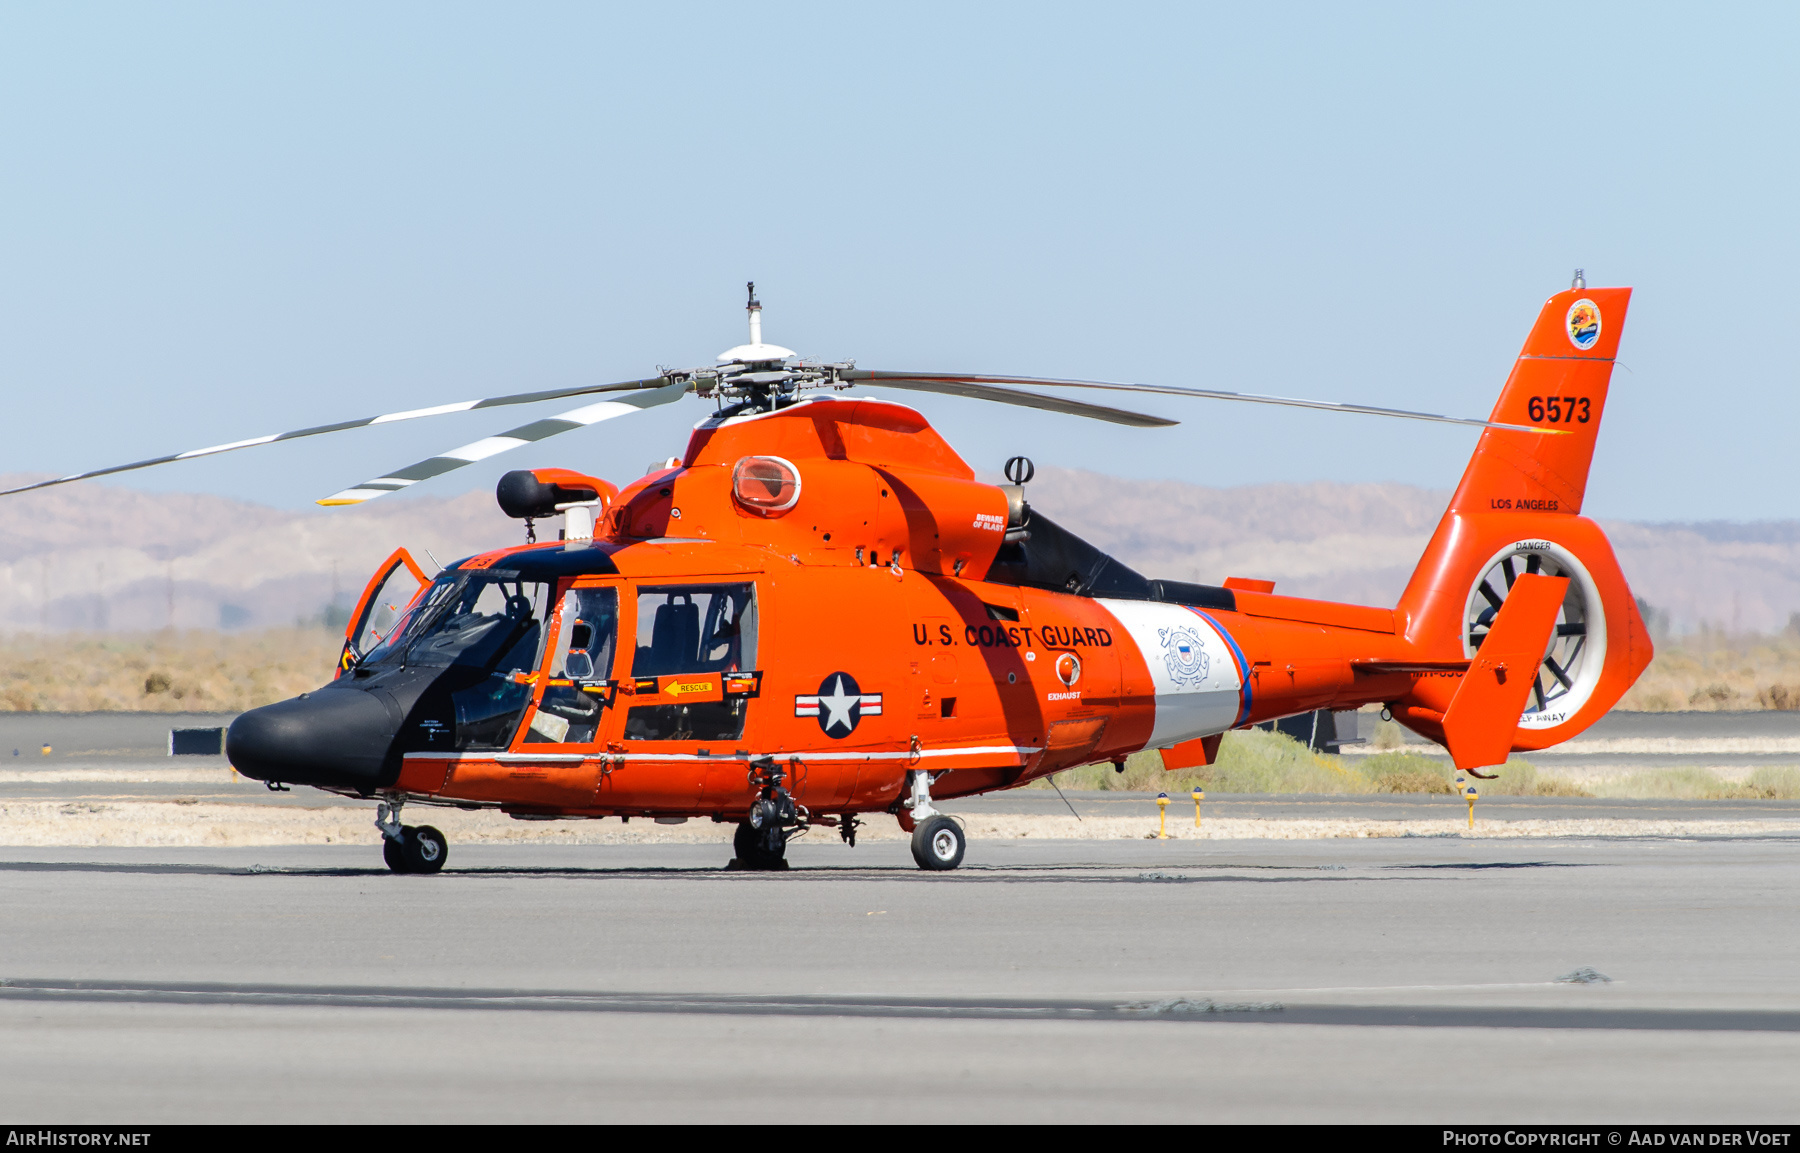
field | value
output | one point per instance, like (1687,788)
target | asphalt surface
(1402,979)
(1408,979)
(91,736)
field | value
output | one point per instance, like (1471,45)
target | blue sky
(218,221)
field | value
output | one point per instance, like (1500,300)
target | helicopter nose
(335,737)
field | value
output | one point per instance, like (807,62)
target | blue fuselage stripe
(1243,666)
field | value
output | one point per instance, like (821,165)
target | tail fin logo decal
(1583,323)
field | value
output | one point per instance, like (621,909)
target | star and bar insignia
(840,705)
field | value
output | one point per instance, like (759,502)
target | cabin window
(575,693)
(695,629)
(698,631)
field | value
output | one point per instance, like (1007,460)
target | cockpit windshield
(492,620)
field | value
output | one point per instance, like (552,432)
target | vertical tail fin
(1558,384)
(1516,512)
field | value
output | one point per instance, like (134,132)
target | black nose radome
(338,737)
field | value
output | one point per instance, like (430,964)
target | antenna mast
(754,308)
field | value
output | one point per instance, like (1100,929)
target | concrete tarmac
(1404,979)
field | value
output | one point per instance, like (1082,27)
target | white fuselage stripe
(1199,691)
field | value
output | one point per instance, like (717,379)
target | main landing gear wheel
(938,843)
(421,849)
(759,849)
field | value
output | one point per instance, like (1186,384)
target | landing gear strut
(937,840)
(409,848)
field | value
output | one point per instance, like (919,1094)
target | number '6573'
(1559,409)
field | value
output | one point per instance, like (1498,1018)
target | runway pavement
(1404,979)
(1410,978)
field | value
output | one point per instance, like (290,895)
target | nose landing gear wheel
(759,849)
(421,849)
(938,844)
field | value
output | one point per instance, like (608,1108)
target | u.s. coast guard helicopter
(816,613)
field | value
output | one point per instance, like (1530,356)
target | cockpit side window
(493,621)
(590,627)
(575,693)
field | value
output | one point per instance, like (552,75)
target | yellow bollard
(1199,795)
(1162,813)
(46,750)
(1469,793)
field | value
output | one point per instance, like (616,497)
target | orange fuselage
(879,645)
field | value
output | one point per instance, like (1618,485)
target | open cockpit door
(394,587)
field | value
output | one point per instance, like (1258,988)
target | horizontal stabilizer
(1377,668)
(1483,716)
(1192,754)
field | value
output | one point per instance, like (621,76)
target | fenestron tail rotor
(1568,649)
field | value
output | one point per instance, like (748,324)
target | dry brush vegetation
(1715,671)
(1264,762)
(169,671)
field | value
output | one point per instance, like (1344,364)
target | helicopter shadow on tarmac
(1167,1009)
(1085,874)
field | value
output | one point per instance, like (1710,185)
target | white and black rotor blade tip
(940,382)
(655,382)
(512,438)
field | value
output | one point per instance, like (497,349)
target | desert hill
(1359,542)
(96,557)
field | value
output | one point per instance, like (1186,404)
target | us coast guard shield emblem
(1184,654)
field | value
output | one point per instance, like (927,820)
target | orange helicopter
(817,613)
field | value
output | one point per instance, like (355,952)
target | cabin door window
(694,668)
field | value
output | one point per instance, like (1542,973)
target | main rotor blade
(917,379)
(974,387)
(340,426)
(494,445)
